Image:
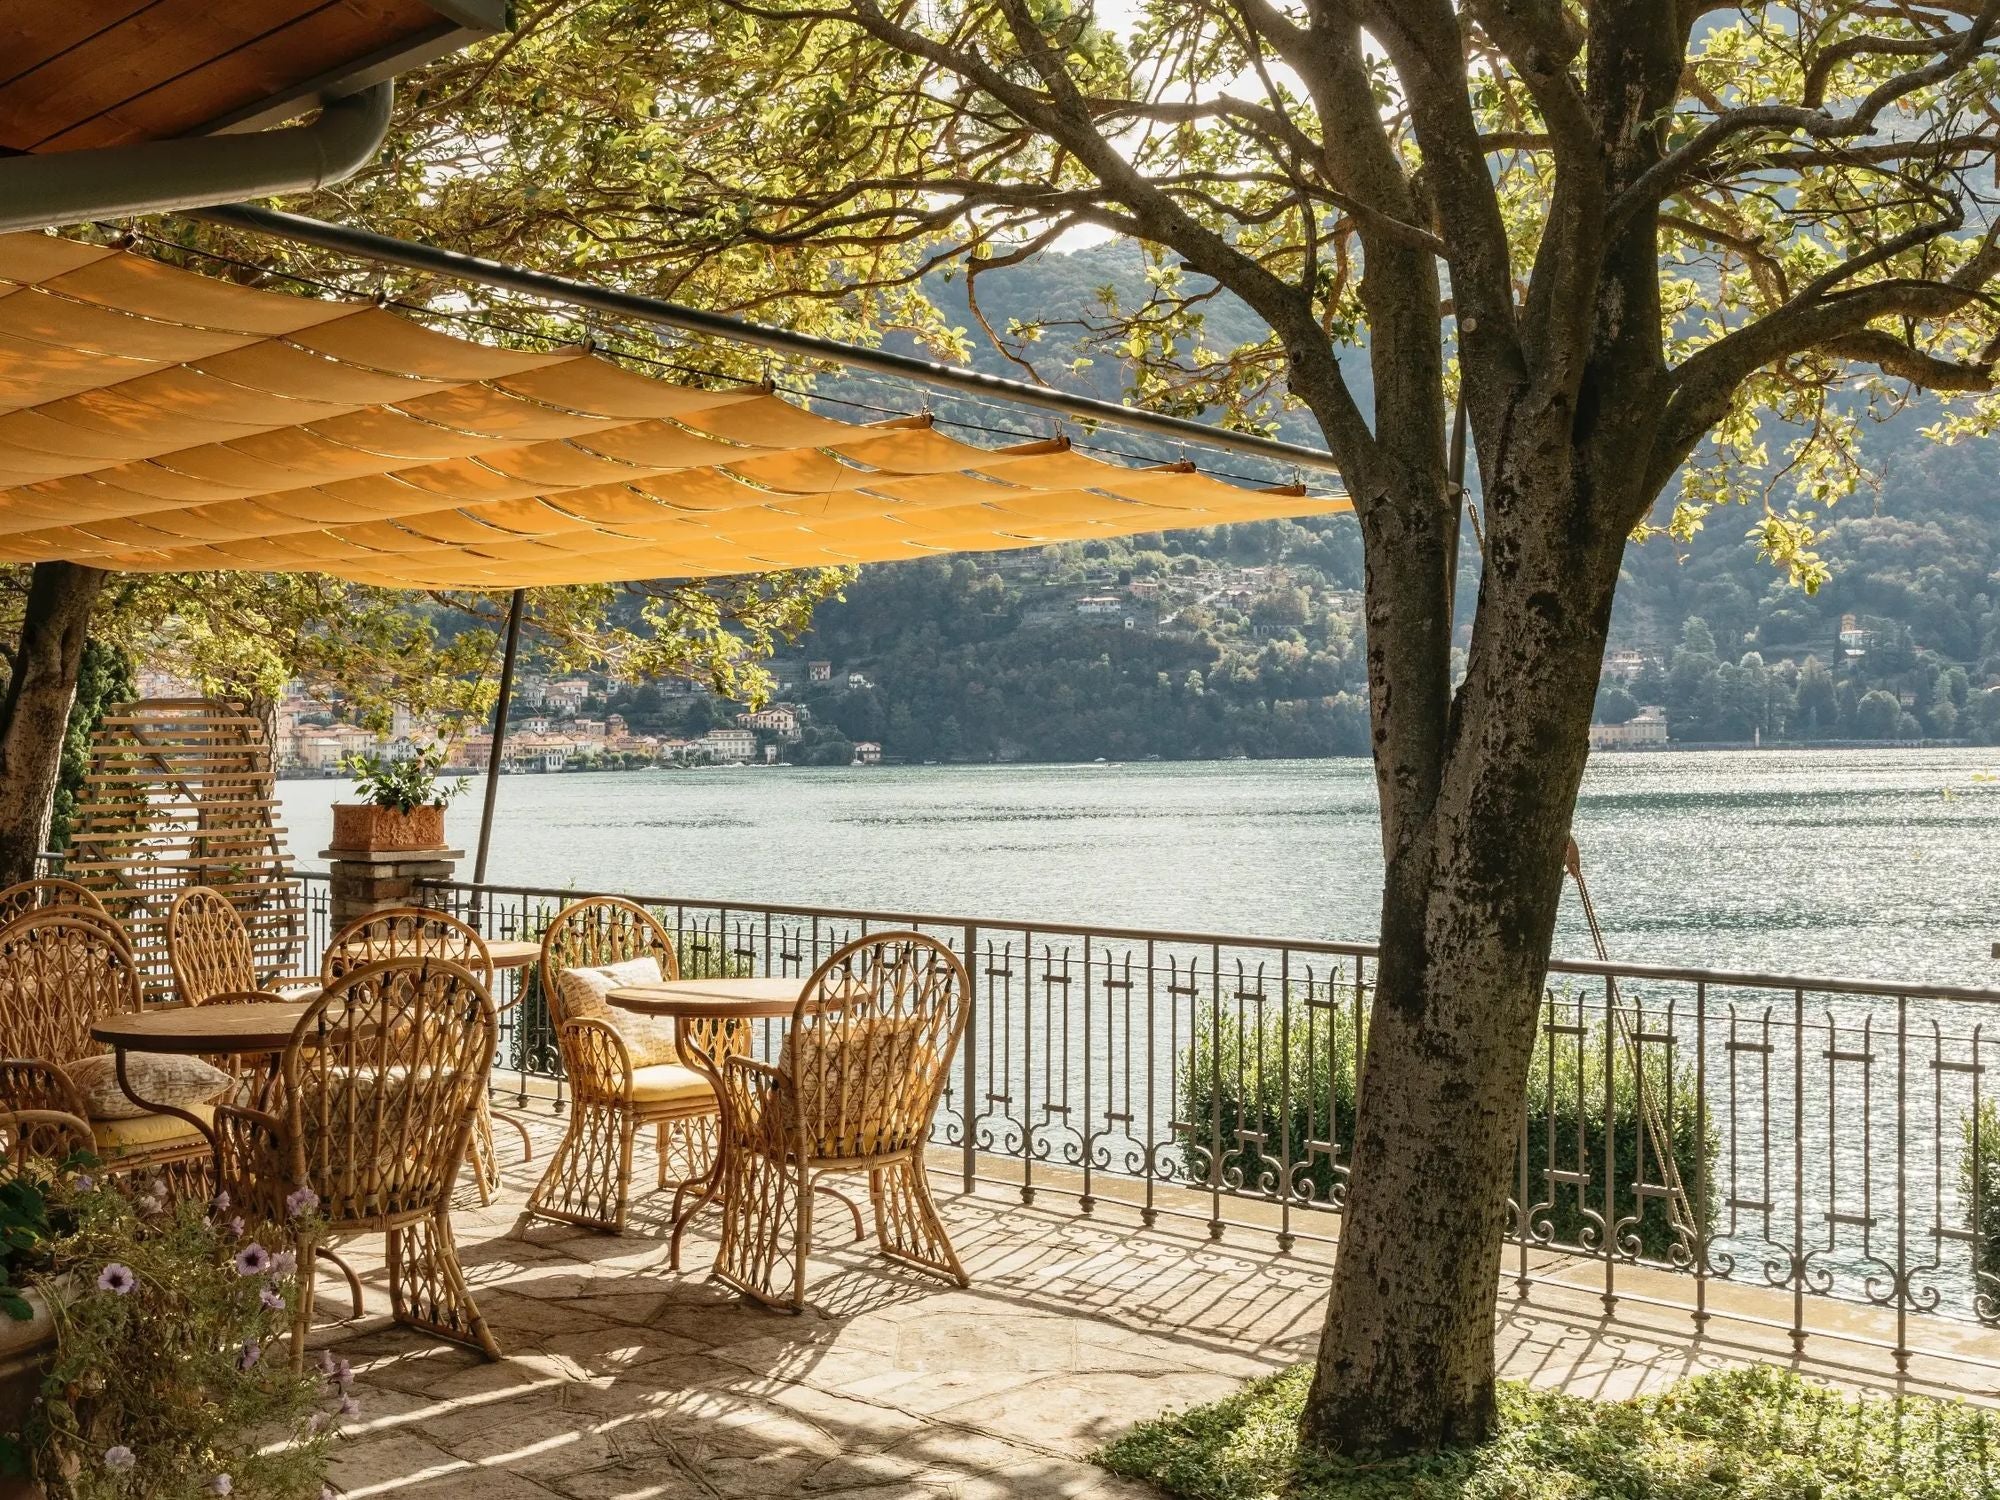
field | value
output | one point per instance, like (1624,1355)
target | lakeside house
(780,719)
(729,747)
(1646,729)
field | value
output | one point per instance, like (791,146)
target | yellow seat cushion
(146,1131)
(669,1083)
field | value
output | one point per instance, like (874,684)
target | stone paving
(626,1380)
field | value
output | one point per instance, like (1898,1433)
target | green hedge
(1979,1182)
(1248,1092)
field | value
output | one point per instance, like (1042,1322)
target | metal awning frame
(364,244)
(367,245)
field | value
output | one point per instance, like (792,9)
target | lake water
(1884,863)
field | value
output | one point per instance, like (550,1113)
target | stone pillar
(364,881)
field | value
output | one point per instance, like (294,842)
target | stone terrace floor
(626,1380)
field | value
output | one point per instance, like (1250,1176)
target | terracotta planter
(386,830)
(25,1351)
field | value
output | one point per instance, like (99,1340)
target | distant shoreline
(1672,746)
(1786,745)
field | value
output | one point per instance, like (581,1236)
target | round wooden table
(734,999)
(263,1026)
(508,953)
(758,999)
(258,1026)
(513,953)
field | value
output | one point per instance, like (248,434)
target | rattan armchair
(854,1089)
(424,932)
(61,972)
(54,1136)
(589,1177)
(210,952)
(50,893)
(372,1109)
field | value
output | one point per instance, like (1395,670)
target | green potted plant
(403,804)
(170,1376)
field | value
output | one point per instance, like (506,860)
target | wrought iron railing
(1755,1148)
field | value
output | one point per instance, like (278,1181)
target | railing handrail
(1886,989)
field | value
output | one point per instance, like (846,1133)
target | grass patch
(1753,1434)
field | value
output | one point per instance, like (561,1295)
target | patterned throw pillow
(647,1039)
(160,1077)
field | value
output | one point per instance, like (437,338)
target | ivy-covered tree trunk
(34,715)
(104,678)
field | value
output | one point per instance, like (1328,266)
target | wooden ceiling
(82,73)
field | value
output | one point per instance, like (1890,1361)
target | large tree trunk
(1469,908)
(35,712)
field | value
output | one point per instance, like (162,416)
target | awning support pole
(497,754)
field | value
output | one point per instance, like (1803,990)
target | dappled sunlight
(623,1379)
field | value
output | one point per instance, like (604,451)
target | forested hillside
(963,663)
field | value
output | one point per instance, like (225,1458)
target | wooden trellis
(180,793)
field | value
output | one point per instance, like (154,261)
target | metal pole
(367,245)
(494,756)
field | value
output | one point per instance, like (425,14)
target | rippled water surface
(1836,862)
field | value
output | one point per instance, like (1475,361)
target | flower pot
(25,1351)
(379,830)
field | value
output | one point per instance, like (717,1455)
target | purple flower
(249,1354)
(236,1227)
(301,1200)
(220,1484)
(252,1260)
(116,1278)
(84,1183)
(118,1458)
(349,1409)
(339,1373)
(221,1202)
(284,1263)
(271,1298)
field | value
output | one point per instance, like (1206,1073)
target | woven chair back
(407,932)
(379,1083)
(50,893)
(601,930)
(870,1048)
(604,930)
(208,947)
(60,973)
(50,1136)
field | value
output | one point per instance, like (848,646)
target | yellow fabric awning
(152,419)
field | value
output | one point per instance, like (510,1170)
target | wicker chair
(210,952)
(589,1178)
(854,1089)
(48,894)
(52,1135)
(424,932)
(373,1107)
(60,972)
